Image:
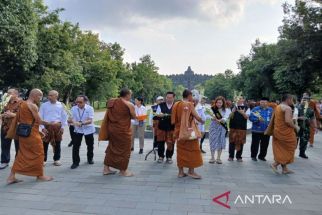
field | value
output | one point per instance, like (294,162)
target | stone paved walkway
(155,189)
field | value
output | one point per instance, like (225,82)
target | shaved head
(35,96)
(35,92)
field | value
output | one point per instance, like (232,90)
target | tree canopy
(38,49)
(292,65)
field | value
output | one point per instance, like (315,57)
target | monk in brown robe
(116,128)
(284,135)
(314,126)
(7,115)
(188,150)
(29,160)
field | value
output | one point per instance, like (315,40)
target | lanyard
(79,115)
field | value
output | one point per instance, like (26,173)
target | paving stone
(156,190)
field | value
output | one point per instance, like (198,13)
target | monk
(188,150)
(29,160)
(284,135)
(314,127)
(116,128)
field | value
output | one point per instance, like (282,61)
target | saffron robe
(116,128)
(188,151)
(30,158)
(284,139)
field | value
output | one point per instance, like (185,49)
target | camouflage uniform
(304,133)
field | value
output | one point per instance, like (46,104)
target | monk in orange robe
(116,128)
(188,151)
(284,135)
(314,126)
(30,158)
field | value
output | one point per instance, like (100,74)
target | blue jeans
(5,148)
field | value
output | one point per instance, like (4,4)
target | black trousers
(57,151)
(161,148)
(232,151)
(202,140)
(259,140)
(71,132)
(155,142)
(77,141)
(5,148)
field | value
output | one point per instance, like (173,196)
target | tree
(178,90)
(18,36)
(220,85)
(300,48)
(149,83)
(255,79)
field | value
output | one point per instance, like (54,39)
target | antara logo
(259,199)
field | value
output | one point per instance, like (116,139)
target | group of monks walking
(178,123)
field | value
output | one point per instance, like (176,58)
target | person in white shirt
(82,117)
(54,114)
(138,126)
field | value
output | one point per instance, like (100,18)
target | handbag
(270,129)
(24,129)
(188,127)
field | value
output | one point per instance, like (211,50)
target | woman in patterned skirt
(218,128)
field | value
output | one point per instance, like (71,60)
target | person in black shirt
(165,129)
(238,129)
(154,122)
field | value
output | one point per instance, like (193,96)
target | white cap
(159,98)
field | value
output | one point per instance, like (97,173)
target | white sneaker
(4,165)
(57,163)
(169,161)
(160,160)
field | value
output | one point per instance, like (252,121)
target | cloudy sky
(208,35)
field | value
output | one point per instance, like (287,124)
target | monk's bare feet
(44,178)
(13,180)
(182,175)
(126,173)
(108,171)
(274,168)
(194,175)
(287,171)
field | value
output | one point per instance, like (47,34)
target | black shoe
(141,151)
(70,144)
(254,159)
(304,156)
(202,151)
(132,149)
(74,166)
(91,162)
(262,159)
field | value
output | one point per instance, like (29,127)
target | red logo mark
(216,199)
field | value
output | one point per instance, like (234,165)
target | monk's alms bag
(24,129)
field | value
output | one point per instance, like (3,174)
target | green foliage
(38,50)
(256,71)
(220,85)
(147,82)
(293,64)
(18,29)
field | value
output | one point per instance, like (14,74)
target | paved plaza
(156,190)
